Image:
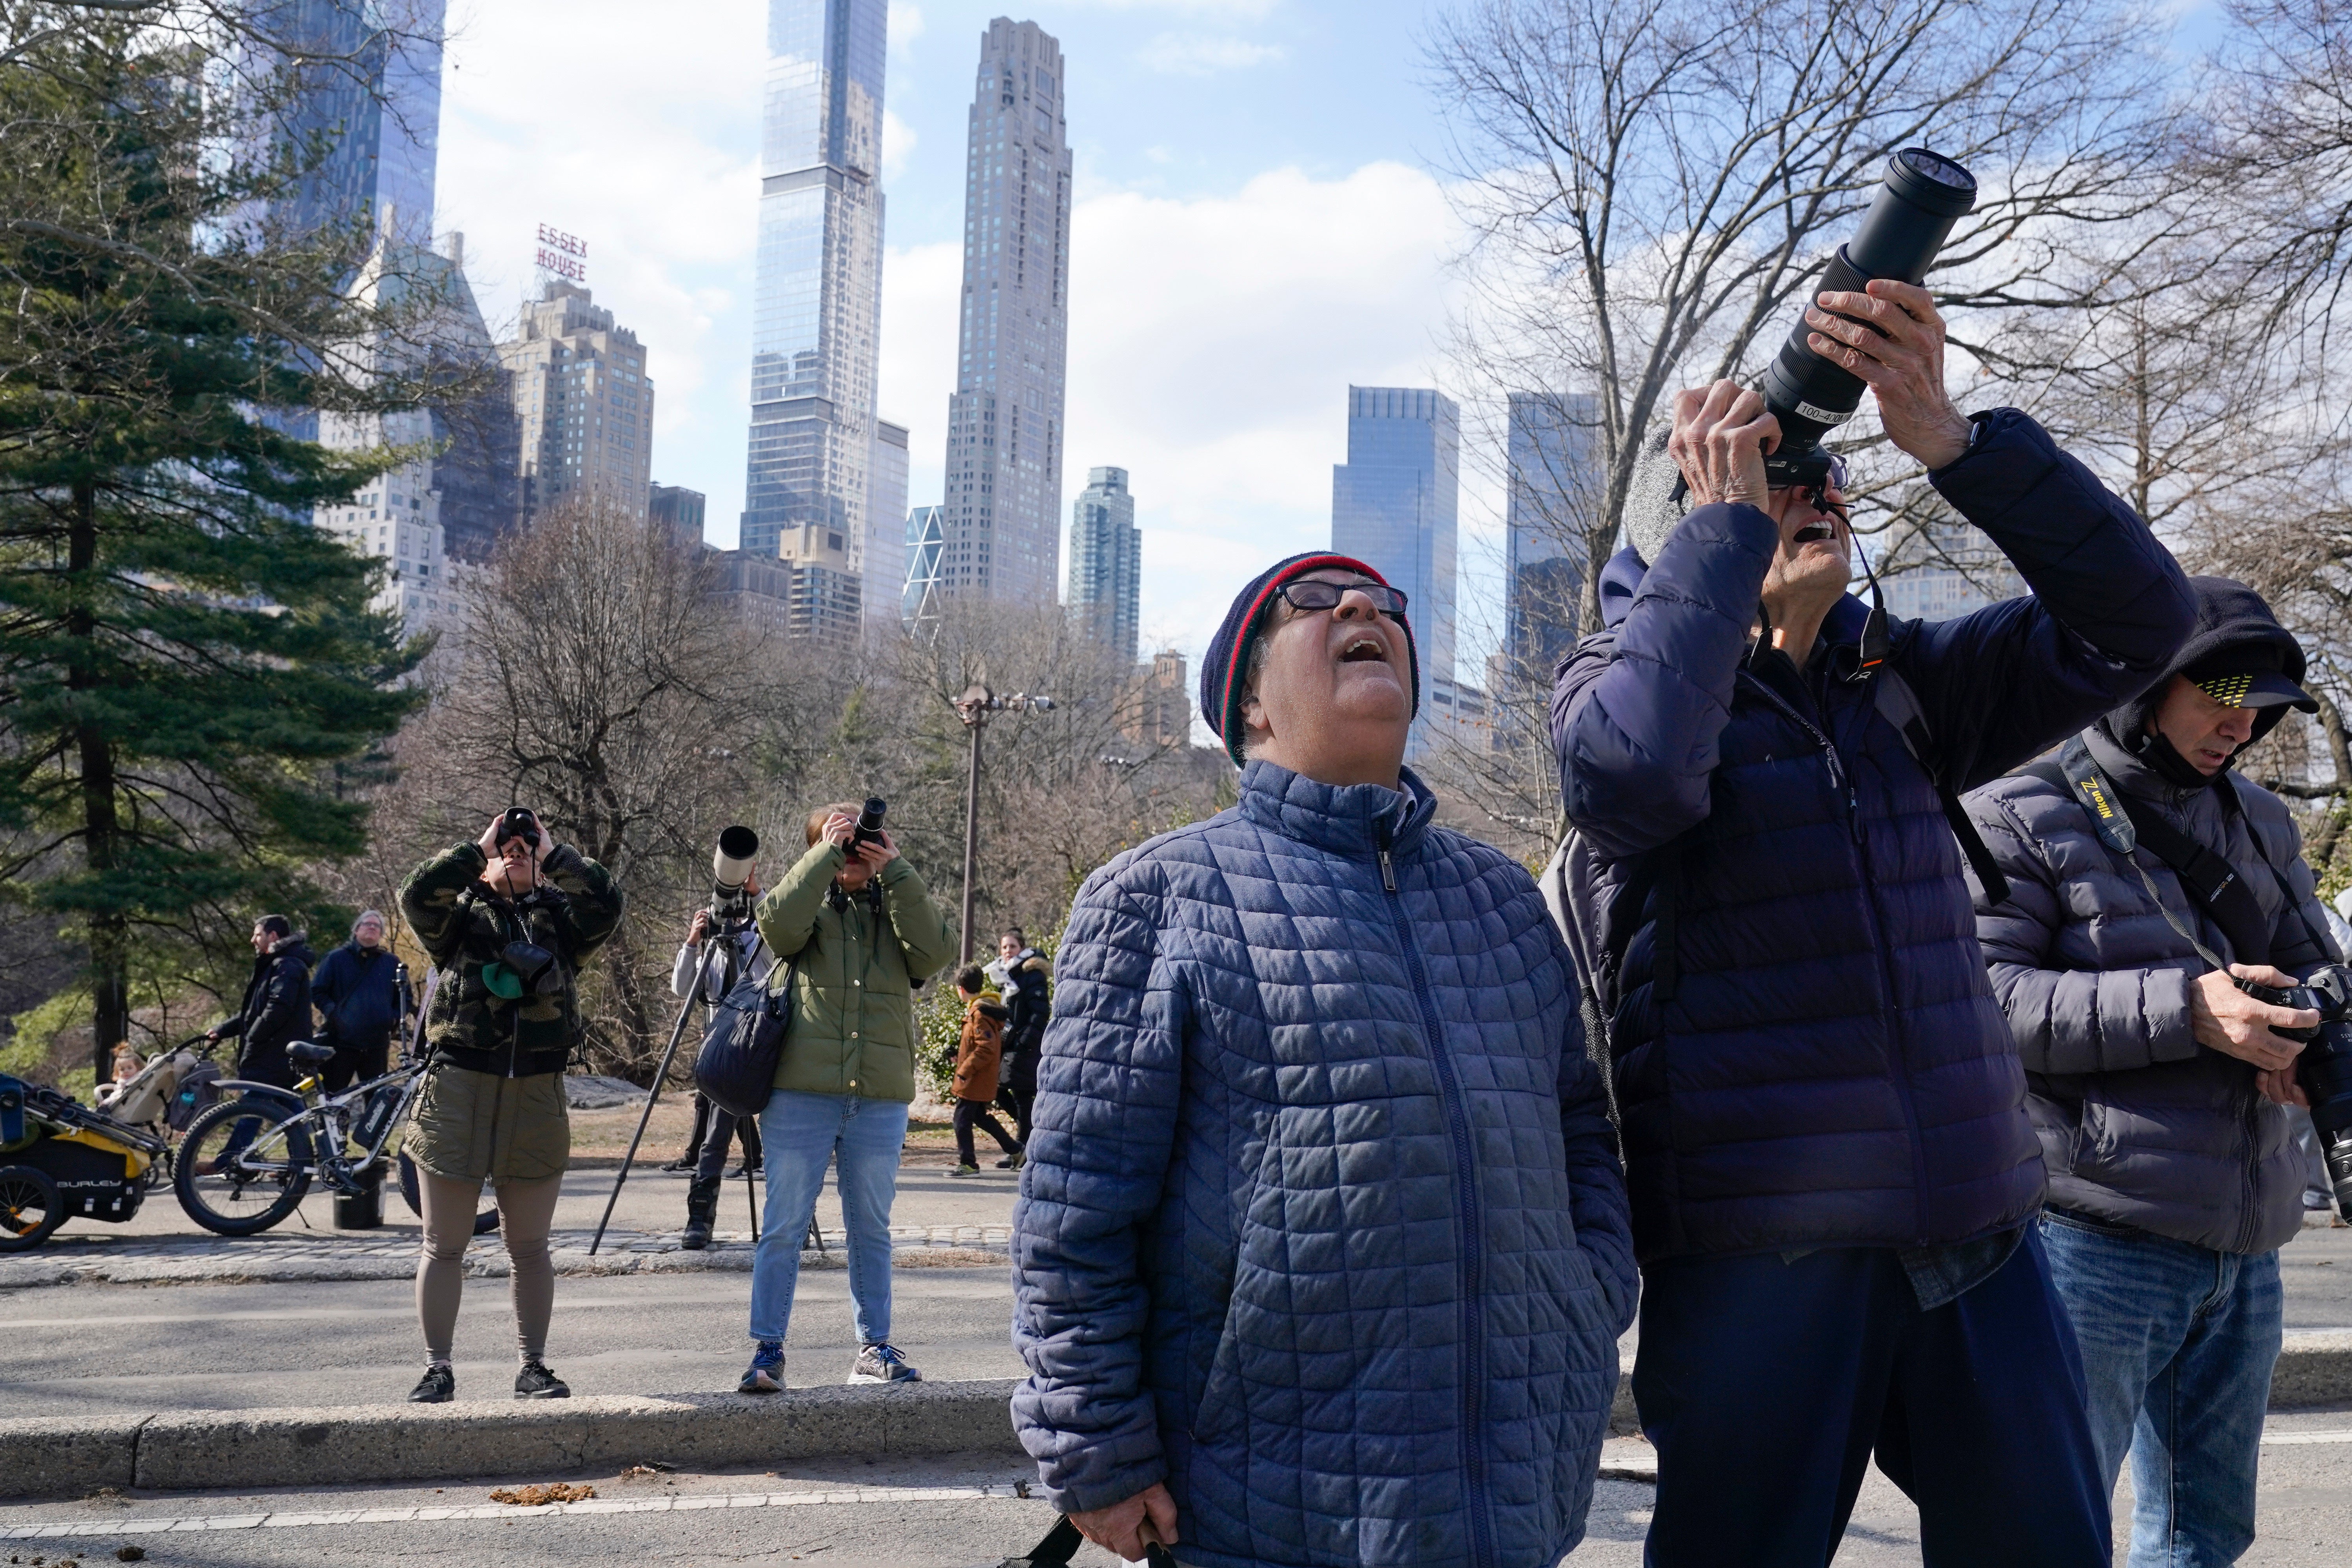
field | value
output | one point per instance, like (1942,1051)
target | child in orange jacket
(977,1056)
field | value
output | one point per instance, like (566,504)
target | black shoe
(1005,1163)
(437,1386)
(702,1210)
(535,1382)
(683,1162)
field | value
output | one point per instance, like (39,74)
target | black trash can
(362,1210)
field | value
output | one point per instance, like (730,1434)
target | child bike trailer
(60,1159)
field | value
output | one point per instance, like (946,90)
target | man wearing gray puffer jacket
(2156,1083)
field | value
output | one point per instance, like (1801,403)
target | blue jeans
(800,1134)
(2177,1344)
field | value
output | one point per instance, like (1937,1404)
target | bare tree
(1650,185)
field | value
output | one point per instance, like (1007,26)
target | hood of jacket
(2231,618)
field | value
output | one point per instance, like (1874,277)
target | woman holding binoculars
(508,920)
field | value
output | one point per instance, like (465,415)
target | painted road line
(2269,1438)
(839,1497)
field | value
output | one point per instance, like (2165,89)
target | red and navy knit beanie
(1222,672)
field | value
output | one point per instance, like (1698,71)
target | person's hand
(488,841)
(215,1036)
(839,829)
(538,851)
(2278,1086)
(2227,1019)
(1901,361)
(700,929)
(1721,433)
(877,855)
(1132,1528)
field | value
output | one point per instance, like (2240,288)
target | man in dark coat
(1025,978)
(359,991)
(275,1011)
(1830,1166)
(2156,1083)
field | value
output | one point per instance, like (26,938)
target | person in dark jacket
(1025,978)
(1831,1165)
(275,1011)
(2157,1084)
(360,992)
(1321,1254)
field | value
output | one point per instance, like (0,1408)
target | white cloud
(906,25)
(899,141)
(1212,344)
(1196,54)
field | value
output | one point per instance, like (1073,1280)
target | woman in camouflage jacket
(501,1036)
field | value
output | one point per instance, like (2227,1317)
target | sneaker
(683,1162)
(1006,1164)
(965,1170)
(883,1364)
(766,1372)
(535,1382)
(437,1386)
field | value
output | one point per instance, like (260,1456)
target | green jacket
(463,925)
(854,1007)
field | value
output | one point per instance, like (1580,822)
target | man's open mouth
(1364,650)
(1814,531)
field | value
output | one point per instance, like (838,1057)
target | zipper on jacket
(1472,1330)
(1888,1015)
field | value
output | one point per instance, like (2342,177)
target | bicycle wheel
(29,1208)
(236,1175)
(484,1223)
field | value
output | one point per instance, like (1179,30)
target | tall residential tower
(585,405)
(1394,505)
(1106,562)
(1002,521)
(365,112)
(817,311)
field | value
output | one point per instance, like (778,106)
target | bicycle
(248,1162)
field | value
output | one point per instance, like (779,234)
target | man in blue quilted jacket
(1832,1168)
(1322,1251)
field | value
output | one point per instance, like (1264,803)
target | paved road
(930,1514)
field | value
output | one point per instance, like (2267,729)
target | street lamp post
(973,708)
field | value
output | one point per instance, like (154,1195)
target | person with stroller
(508,920)
(275,1011)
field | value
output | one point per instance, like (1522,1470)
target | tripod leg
(676,1033)
(751,1199)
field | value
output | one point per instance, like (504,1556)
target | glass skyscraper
(1394,505)
(1553,489)
(365,114)
(1004,528)
(1106,562)
(817,309)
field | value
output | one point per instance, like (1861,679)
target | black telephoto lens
(869,822)
(1924,196)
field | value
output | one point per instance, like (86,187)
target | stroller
(60,1159)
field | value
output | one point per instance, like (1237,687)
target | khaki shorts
(472,1126)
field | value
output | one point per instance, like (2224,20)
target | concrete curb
(230,1450)
(203,1263)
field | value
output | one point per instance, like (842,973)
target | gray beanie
(367,915)
(1651,508)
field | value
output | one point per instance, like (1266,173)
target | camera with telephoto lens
(2324,1068)
(870,823)
(731,874)
(1924,193)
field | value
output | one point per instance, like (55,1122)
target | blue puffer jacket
(1830,1067)
(1322,1222)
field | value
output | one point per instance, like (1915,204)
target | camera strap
(2124,824)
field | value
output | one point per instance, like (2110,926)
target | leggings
(526,1213)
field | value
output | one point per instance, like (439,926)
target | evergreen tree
(183,658)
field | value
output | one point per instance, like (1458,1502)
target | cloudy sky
(1256,226)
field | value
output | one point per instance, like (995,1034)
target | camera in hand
(2324,1067)
(517,823)
(1924,193)
(870,823)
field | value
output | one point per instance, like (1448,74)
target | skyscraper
(1105,560)
(883,566)
(365,113)
(918,606)
(1394,505)
(677,511)
(1552,488)
(584,401)
(1003,522)
(817,308)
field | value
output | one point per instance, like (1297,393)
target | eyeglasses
(1314,594)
